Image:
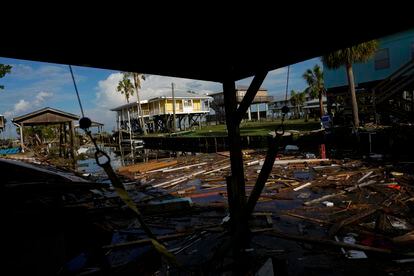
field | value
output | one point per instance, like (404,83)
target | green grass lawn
(255,128)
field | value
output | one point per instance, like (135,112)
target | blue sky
(34,85)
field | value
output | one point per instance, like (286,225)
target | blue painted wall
(400,52)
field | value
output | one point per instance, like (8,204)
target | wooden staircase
(388,93)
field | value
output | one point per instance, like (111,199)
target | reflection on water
(89,165)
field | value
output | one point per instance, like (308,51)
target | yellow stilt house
(158,113)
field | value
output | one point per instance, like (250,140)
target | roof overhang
(197,50)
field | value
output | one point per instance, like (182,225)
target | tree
(137,85)
(316,88)
(297,99)
(346,57)
(126,87)
(4,69)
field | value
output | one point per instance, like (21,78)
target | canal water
(89,166)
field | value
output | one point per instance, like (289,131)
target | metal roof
(65,116)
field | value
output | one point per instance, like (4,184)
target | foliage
(314,79)
(358,53)
(4,69)
(125,87)
(45,133)
(346,57)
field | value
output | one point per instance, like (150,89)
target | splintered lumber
(146,241)
(302,186)
(306,218)
(326,242)
(365,176)
(407,238)
(175,181)
(184,167)
(217,179)
(254,162)
(218,169)
(166,206)
(298,161)
(317,200)
(145,167)
(201,195)
(358,217)
(360,185)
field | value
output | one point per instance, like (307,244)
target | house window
(187,103)
(382,59)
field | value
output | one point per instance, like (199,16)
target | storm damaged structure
(231,242)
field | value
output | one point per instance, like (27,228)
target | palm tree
(359,53)
(126,87)
(297,99)
(316,88)
(137,77)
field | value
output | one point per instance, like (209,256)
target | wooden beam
(263,176)
(237,184)
(250,94)
(72,143)
(21,137)
(326,242)
(60,139)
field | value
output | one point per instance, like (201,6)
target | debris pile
(314,216)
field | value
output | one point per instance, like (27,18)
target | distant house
(258,106)
(190,109)
(310,107)
(384,84)
(2,123)
(50,116)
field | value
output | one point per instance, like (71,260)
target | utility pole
(173,100)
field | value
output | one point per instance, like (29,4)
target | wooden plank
(299,161)
(302,186)
(326,242)
(146,241)
(307,218)
(358,217)
(144,167)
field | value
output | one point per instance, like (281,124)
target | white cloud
(41,97)
(21,106)
(108,97)
(25,105)
(155,86)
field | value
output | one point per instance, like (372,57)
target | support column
(65,138)
(249,112)
(258,112)
(72,142)
(119,131)
(130,134)
(21,137)
(60,139)
(236,184)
